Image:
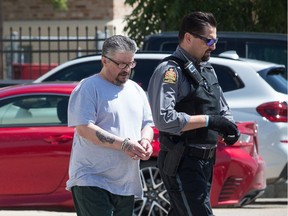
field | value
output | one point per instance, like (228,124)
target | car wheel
(155,200)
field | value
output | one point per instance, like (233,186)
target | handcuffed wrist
(144,138)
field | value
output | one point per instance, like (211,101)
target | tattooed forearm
(105,138)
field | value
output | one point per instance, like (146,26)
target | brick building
(38,18)
(83,13)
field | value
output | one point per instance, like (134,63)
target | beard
(122,77)
(206,56)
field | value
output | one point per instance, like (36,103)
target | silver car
(255,91)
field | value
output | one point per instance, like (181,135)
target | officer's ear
(188,38)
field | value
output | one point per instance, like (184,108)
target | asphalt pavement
(262,207)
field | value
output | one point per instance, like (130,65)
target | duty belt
(200,153)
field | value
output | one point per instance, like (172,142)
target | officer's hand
(230,139)
(226,128)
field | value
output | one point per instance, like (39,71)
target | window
(143,71)
(274,77)
(169,46)
(34,110)
(271,51)
(227,78)
(77,71)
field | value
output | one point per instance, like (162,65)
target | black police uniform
(186,159)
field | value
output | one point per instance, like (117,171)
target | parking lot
(262,207)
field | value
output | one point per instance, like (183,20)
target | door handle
(58,139)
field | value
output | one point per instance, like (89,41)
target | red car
(35,145)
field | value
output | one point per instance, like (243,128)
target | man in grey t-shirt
(112,120)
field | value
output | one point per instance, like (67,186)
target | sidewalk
(272,201)
(268,206)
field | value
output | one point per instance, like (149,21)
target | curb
(271,201)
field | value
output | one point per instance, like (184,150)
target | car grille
(229,187)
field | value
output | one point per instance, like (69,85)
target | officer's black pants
(189,190)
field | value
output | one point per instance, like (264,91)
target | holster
(175,151)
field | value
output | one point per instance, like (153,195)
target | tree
(60,4)
(271,16)
(152,16)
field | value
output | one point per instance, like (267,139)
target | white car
(254,90)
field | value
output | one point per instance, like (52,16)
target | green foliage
(60,4)
(148,17)
(271,16)
(152,16)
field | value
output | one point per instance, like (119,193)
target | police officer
(190,112)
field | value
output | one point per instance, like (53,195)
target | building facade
(39,19)
(89,13)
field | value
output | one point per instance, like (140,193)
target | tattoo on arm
(105,138)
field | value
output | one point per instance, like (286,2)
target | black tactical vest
(204,98)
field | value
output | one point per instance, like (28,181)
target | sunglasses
(208,41)
(122,65)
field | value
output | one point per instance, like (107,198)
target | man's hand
(226,128)
(231,139)
(146,144)
(137,150)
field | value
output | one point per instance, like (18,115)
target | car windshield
(275,79)
(140,74)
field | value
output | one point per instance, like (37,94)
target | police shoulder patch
(170,76)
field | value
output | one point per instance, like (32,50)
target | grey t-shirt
(121,110)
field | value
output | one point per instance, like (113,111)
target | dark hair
(195,22)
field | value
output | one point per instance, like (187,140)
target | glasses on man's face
(208,41)
(122,65)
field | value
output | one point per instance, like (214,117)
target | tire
(155,200)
